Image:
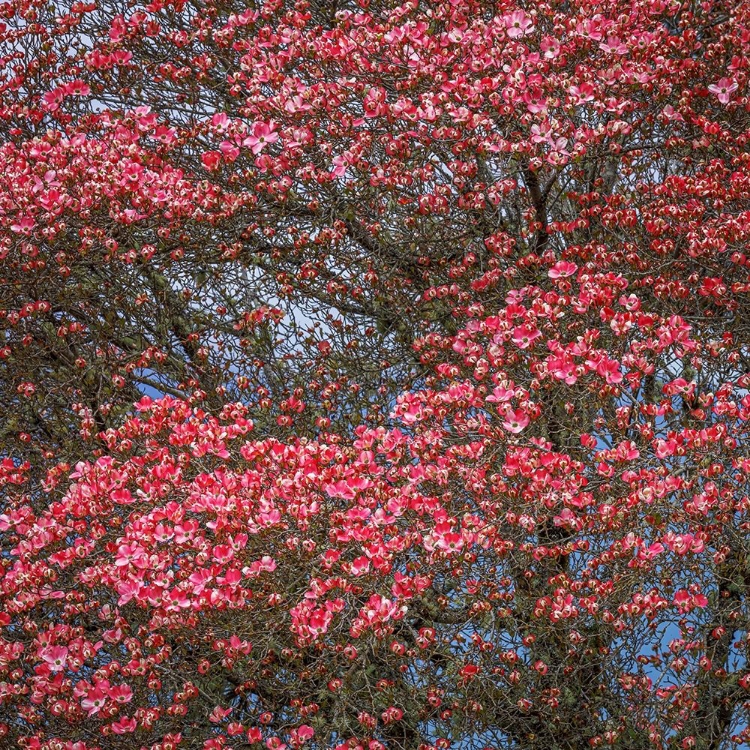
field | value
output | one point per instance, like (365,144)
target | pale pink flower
(723,88)
(518,24)
(550,47)
(515,421)
(56,657)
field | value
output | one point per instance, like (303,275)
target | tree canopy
(374,375)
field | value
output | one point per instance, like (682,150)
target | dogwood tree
(433,316)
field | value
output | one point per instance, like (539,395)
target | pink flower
(124,725)
(230,151)
(360,566)
(670,114)
(582,93)
(319,621)
(261,135)
(391,714)
(267,564)
(563,368)
(631,302)
(340,163)
(685,602)
(525,335)
(177,600)
(515,421)
(131,554)
(566,517)
(559,154)
(614,45)
(562,269)
(53,99)
(211,160)
(550,47)
(220,121)
(723,88)
(132,173)
(219,714)
(122,497)
(469,672)
(450,542)
(501,394)
(681,544)
(301,735)
(651,552)
(24,226)
(609,369)
(128,590)
(223,553)
(121,693)
(77,88)
(305,732)
(518,24)
(56,657)
(94,701)
(163,533)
